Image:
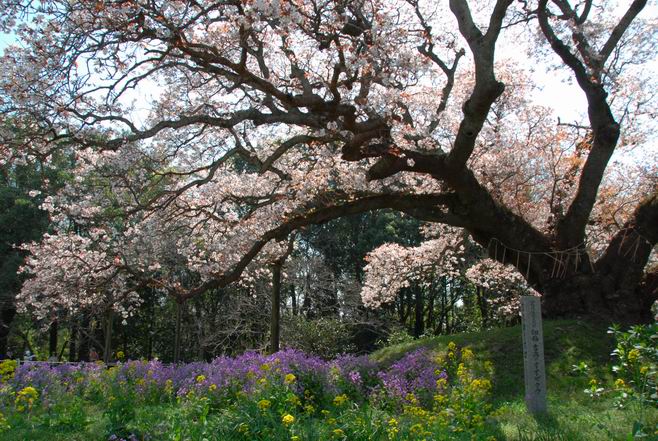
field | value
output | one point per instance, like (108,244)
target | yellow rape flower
(644,370)
(200,379)
(287,419)
(461,370)
(483,385)
(289,379)
(264,404)
(28,392)
(7,368)
(338,433)
(340,400)
(633,355)
(619,383)
(212,387)
(26,398)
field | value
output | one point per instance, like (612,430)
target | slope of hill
(573,415)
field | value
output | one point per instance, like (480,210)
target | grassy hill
(573,415)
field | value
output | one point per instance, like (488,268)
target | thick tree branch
(487,89)
(632,12)
(397,201)
(570,230)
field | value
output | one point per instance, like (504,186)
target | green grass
(572,414)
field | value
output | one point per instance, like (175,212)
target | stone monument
(533,355)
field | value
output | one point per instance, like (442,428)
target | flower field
(460,387)
(288,396)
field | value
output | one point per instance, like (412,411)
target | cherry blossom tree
(244,120)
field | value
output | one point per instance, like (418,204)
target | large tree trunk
(615,287)
(598,296)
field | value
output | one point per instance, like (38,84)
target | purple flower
(355,377)
(416,373)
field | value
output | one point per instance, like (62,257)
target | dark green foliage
(326,337)
(344,242)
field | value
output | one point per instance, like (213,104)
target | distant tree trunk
(430,307)
(149,338)
(275,320)
(6,317)
(107,346)
(198,315)
(83,347)
(149,345)
(293,300)
(419,325)
(52,340)
(177,332)
(482,305)
(307,304)
(73,339)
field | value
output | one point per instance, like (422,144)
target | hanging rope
(562,258)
